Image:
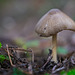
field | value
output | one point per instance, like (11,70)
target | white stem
(54,42)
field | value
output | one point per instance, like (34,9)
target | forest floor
(18,61)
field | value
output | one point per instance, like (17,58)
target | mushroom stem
(54,42)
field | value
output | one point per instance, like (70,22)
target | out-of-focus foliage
(70,72)
(3,1)
(62,50)
(19,42)
(32,43)
(46,74)
(2,58)
(0,44)
(27,44)
(46,51)
(18,72)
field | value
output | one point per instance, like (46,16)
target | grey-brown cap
(53,22)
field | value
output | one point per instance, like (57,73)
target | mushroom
(51,23)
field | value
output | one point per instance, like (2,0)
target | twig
(59,69)
(32,56)
(9,56)
(56,66)
(54,70)
(20,49)
(49,58)
(72,60)
(5,50)
(30,69)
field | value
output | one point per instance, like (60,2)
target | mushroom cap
(53,22)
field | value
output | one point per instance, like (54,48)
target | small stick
(59,69)
(49,58)
(72,60)
(5,50)
(32,56)
(21,49)
(9,56)
(30,69)
(56,66)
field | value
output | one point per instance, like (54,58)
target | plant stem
(54,43)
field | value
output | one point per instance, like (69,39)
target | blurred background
(19,17)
